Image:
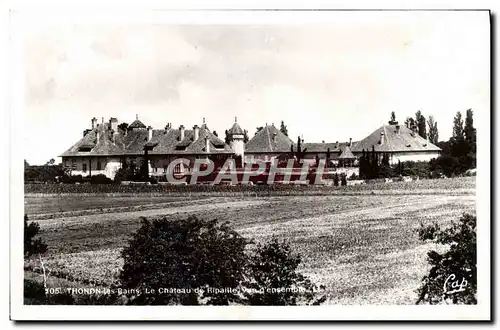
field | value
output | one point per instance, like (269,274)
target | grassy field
(363,247)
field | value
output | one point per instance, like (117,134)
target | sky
(327,82)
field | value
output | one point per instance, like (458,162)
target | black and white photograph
(338,160)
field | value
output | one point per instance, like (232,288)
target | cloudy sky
(331,81)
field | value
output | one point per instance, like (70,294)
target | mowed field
(364,248)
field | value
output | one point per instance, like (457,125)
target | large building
(106,146)
(400,143)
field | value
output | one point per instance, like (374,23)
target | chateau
(106,146)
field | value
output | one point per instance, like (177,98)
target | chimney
(207,144)
(350,142)
(181,129)
(94,122)
(398,129)
(337,145)
(382,137)
(113,124)
(102,120)
(196,131)
(150,133)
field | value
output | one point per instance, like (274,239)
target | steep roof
(137,124)
(132,142)
(347,153)
(235,130)
(405,140)
(269,139)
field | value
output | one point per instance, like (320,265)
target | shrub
(458,263)
(100,179)
(336,180)
(183,254)
(34,294)
(32,245)
(274,280)
(343,179)
(207,263)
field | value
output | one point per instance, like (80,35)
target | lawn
(364,248)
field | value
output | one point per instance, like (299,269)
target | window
(177,168)
(66,163)
(98,166)
(73,164)
(84,168)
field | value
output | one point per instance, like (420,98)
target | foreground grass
(365,248)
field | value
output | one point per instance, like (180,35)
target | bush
(34,294)
(100,179)
(272,269)
(458,263)
(32,245)
(343,179)
(183,254)
(420,169)
(208,264)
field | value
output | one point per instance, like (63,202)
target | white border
(137,13)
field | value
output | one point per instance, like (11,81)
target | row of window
(84,165)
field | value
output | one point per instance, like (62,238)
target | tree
(190,254)
(123,126)
(227,139)
(31,245)
(215,133)
(459,147)
(374,164)
(299,153)
(457,264)
(283,128)
(245,136)
(271,270)
(343,179)
(393,119)
(51,161)
(470,132)
(433,130)
(421,124)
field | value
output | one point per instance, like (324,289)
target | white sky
(330,81)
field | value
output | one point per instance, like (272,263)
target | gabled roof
(347,153)
(235,130)
(137,124)
(405,140)
(269,139)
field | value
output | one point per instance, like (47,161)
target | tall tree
(421,125)
(245,136)
(411,124)
(283,128)
(470,132)
(458,148)
(393,118)
(433,130)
